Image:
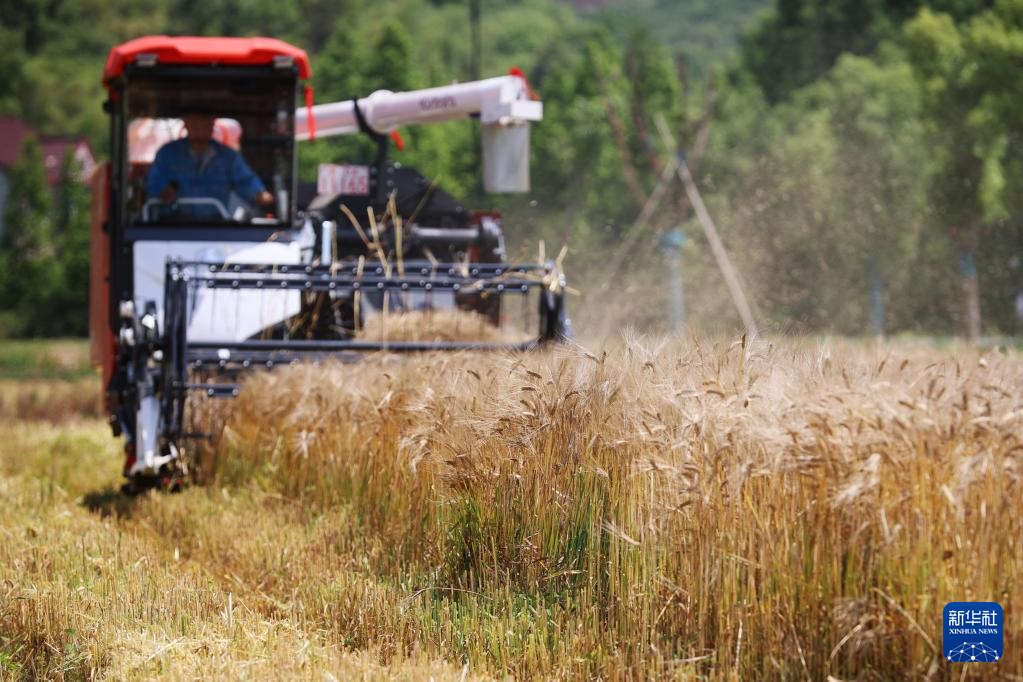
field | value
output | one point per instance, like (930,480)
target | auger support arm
(504,100)
(504,105)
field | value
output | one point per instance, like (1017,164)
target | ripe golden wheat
(791,510)
(435,325)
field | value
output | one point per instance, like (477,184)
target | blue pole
(877,312)
(671,247)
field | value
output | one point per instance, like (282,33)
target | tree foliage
(29,270)
(861,157)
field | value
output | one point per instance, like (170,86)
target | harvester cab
(210,259)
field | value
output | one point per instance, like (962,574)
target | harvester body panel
(233,317)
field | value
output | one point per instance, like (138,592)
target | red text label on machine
(333,178)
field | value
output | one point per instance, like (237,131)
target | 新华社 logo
(973,632)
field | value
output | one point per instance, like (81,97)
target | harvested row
(97,586)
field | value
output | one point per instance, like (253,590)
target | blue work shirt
(213,175)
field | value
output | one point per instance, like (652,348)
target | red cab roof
(193,50)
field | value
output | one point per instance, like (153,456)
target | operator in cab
(199,167)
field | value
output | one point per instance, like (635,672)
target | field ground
(791,510)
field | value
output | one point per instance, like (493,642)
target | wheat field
(784,509)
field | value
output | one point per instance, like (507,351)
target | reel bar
(422,267)
(419,276)
(327,283)
(218,351)
(213,390)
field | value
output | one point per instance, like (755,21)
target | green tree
(236,18)
(882,172)
(12,65)
(338,72)
(827,187)
(801,40)
(969,75)
(702,32)
(29,271)
(390,64)
(72,222)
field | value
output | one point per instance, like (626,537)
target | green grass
(44,359)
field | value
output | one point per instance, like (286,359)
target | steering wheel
(176,206)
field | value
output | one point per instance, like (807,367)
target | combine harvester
(190,292)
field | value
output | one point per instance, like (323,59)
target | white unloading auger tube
(504,105)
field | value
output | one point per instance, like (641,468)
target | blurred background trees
(860,157)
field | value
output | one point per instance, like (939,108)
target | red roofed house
(13,132)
